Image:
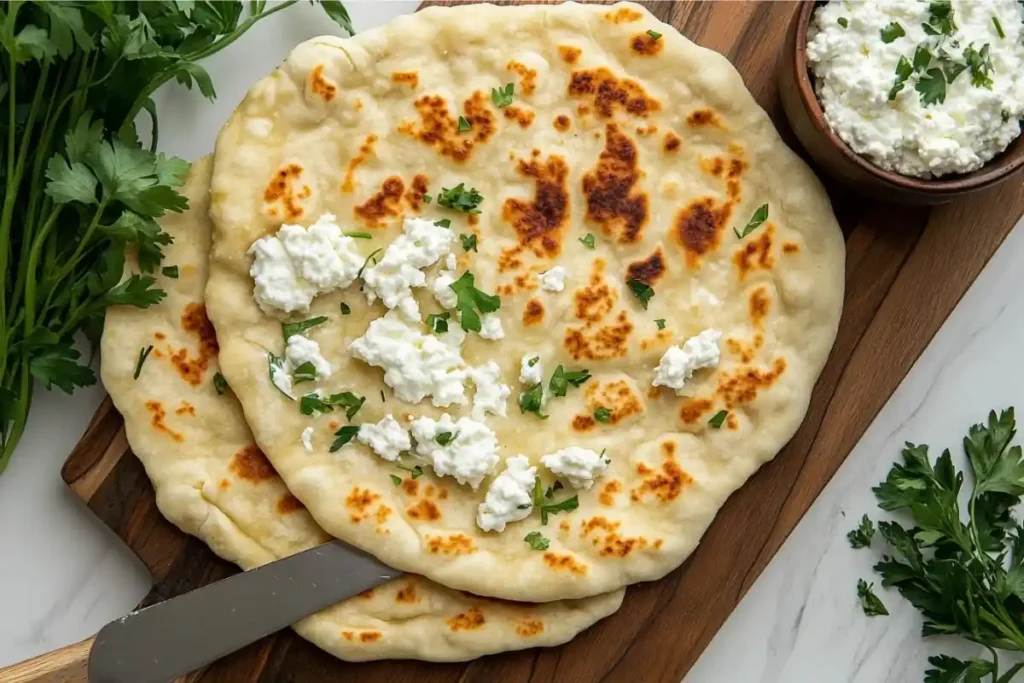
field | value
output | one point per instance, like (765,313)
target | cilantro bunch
(962,568)
(79,187)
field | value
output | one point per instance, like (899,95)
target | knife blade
(158,643)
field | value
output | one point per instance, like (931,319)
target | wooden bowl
(808,121)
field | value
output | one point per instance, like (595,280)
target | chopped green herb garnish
(395,479)
(349,401)
(471,300)
(343,436)
(588,240)
(533,361)
(718,419)
(870,602)
(382,399)
(550,493)
(844,22)
(641,290)
(345,308)
(891,32)
(289,329)
(444,223)
(532,401)
(311,403)
(445,438)
(537,541)
(861,536)
(660,322)
(560,380)
(922,57)
(359,235)
(903,71)
(940,20)
(304,373)
(460,199)
(602,414)
(464,124)
(415,472)
(468,242)
(220,384)
(999,27)
(980,63)
(427,199)
(372,256)
(567,505)
(932,87)
(654,35)
(759,217)
(276,364)
(1005,115)
(502,97)
(438,322)
(536,491)
(170,271)
(952,69)
(143,355)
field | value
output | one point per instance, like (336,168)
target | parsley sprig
(472,302)
(963,569)
(79,187)
(460,199)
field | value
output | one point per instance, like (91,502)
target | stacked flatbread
(630,219)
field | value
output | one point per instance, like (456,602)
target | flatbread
(214,483)
(654,146)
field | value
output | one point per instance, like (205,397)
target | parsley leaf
(359,235)
(395,479)
(532,401)
(445,438)
(870,602)
(718,419)
(654,35)
(940,19)
(502,97)
(892,31)
(290,329)
(861,536)
(415,472)
(220,384)
(932,87)
(903,71)
(588,240)
(468,242)
(844,22)
(170,271)
(464,124)
(471,300)
(567,505)
(533,361)
(759,217)
(345,308)
(952,69)
(641,290)
(438,322)
(460,199)
(444,223)
(922,57)
(143,355)
(347,400)
(304,373)
(602,414)
(57,365)
(537,541)
(311,403)
(560,380)
(660,322)
(980,63)
(343,436)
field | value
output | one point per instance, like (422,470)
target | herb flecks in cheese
(579,466)
(421,244)
(945,98)
(388,438)
(509,497)
(491,395)
(554,279)
(531,371)
(469,458)
(294,265)
(679,363)
(301,350)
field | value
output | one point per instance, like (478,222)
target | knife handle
(66,665)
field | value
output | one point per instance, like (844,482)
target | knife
(158,643)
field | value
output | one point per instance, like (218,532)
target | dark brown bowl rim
(1008,161)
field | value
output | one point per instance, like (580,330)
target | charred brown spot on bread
(424,511)
(623,15)
(529,628)
(691,410)
(699,118)
(365,152)
(648,270)
(359,501)
(743,385)
(758,305)
(607,540)
(569,54)
(524,117)
(225,484)
(608,493)
(321,85)
(289,504)
(597,523)
(646,130)
(185,408)
(417,190)
(527,76)
(602,342)
(790,247)
(562,123)
(159,336)
(370,636)
(583,423)
(540,222)
(456,544)
(596,299)
(564,563)
(407,594)
(617,396)
(699,227)
(645,45)
(609,93)
(366,594)
(409,78)
(383,512)
(157,421)
(671,142)
(756,252)
(439,129)
(665,483)
(533,312)
(251,464)
(731,422)
(385,203)
(281,191)
(193,369)
(613,202)
(714,166)
(469,620)
(411,487)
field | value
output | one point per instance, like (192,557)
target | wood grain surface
(906,270)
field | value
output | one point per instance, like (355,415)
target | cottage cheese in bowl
(920,88)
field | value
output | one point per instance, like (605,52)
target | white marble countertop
(64,575)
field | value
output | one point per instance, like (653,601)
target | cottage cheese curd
(469,457)
(416,365)
(388,438)
(491,395)
(509,497)
(490,327)
(703,297)
(296,264)
(679,363)
(302,350)
(855,71)
(307,439)
(554,279)
(579,466)
(531,374)
(421,244)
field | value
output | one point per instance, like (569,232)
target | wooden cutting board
(906,270)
